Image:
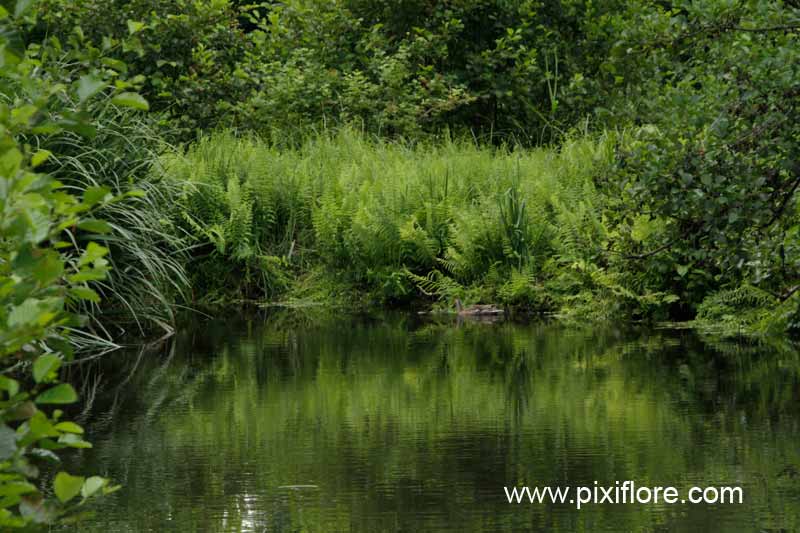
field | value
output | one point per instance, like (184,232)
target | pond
(290,423)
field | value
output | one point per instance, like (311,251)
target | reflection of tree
(396,415)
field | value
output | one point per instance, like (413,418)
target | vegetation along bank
(596,161)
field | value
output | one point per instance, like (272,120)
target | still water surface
(285,424)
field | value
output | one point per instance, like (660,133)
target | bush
(186,53)
(48,257)
(709,184)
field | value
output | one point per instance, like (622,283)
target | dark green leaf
(73,441)
(40,157)
(8,442)
(88,86)
(94,195)
(134,26)
(45,365)
(60,394)
(69,427)
(85,293)
(92,253)
(95,226)
(22,7)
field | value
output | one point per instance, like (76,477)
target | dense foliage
(51,262)
(699,198)
(523,70)
(632,159)
(450,220)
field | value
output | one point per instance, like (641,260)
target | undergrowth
(147,252)
(400,223)
(344,219)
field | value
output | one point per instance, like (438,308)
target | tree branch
(777,214)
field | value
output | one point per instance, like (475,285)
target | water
(294,425)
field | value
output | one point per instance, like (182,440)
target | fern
(437,284)
(454,218)
(746,309)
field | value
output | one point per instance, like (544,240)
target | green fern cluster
(397,221)
(747,310)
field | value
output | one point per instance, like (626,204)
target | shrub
(48,256)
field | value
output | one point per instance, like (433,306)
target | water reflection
(284,425)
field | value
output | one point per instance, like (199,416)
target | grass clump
(146,250)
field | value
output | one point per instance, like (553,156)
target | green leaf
(92,253)
(10,162)
(47,128)
(89,275)
(16,488)
(11,386)
(85,293)
(22,7)
(40,426)
(73,441)
(32,312)
(95,225)
(45,365)
(682,270)
(135,193)
(128,99)
(135,26)
(46,455)
(88,86)
(67,486)
(21,411)
(63,393)
(92,485)
(40,157)
(642,228)
(115,64)
(48,268)
(112,489)
(93,195)
(69,427)
(77,126)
